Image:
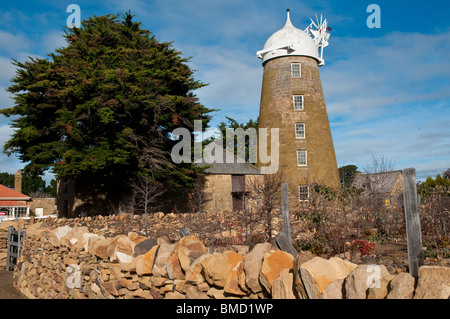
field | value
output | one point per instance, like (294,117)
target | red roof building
(13,203)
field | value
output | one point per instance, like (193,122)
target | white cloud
(232,78)
(5,98)
(52,40)
(11,163)
(367,75)
(431,168)
(5,134)
(13,43)
(390,96)
(417,139)
(8,70)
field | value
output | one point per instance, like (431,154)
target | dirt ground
(391,250)
(7,291)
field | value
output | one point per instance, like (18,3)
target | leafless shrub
(264,196)
(379,164)
(147,194)
(198,196)
(435,224)
(40,194)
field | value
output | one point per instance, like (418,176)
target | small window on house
(302,158)
(298,102)
(300,130)
(303,191)
(296,70)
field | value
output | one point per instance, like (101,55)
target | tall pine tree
(102,108)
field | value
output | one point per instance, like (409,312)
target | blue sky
(387,90)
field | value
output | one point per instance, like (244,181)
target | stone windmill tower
(292,100)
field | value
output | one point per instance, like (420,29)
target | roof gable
(379,183)
(236,167)
(6,192)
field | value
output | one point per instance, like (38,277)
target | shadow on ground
(7,291)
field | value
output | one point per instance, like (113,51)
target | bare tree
(377,179)
(40,194)
(198,197)
(147,195)
(380,188)
(151,152)
(266,192)
(379,164)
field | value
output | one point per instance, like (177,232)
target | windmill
(319,31)
(292,101)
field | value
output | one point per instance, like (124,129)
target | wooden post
(283,240)
(413,233)
(285,210)
(284,243)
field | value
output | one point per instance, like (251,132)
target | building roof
(11,203)
(289,41)
(10,197)
(7,193)
(224,166)
(379,183)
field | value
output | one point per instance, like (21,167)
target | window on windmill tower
(300,130)
(302,158)
(296,70)
(303,192)
(298,102)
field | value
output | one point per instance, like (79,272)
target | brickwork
(277,111)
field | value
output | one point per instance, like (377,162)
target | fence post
(413,233)
(284,239)
(285,210)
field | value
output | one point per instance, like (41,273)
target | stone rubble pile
(73,262)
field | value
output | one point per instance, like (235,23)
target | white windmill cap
(289,41)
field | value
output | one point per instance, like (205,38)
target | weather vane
(319,31)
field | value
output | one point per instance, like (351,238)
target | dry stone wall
(62,261)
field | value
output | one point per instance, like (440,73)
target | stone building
(15,204)
(386,188)
(292,100)
(226,185)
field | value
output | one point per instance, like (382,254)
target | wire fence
(323,223)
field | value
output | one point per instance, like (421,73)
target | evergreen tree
(30,183)
(439,185)
(7,179)
(347,174)
(103,107)
(233,125)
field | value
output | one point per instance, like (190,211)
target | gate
(14,246)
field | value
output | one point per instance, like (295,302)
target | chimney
(18,182)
